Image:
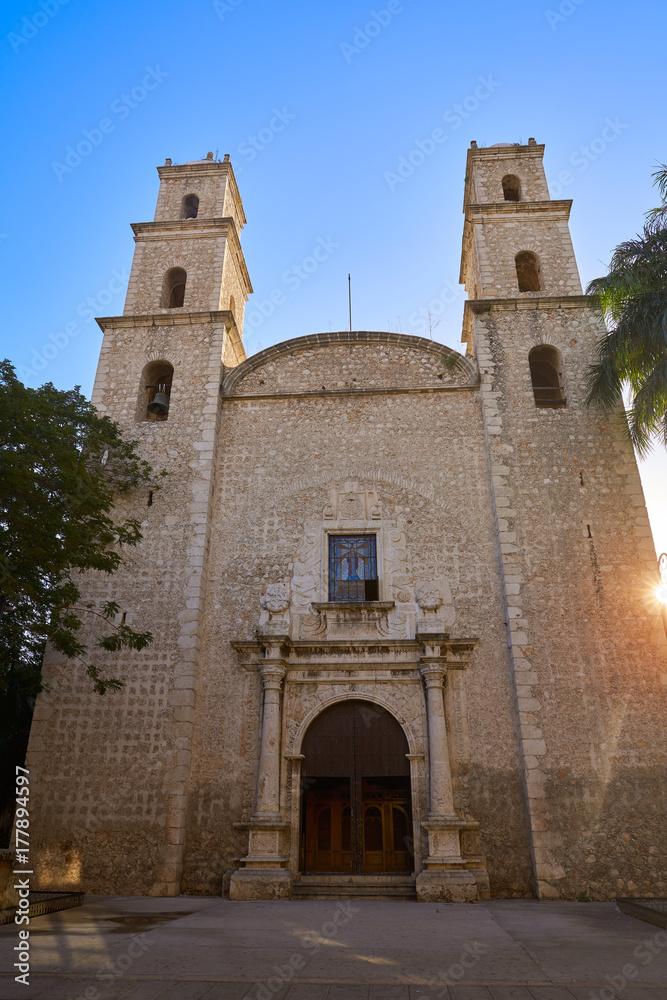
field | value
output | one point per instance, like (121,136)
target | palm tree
(633,297)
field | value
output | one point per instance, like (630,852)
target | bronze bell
(159,405)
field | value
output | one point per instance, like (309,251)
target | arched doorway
(356,814)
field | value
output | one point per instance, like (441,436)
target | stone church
(406,641)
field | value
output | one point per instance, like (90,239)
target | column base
(261,883)
(447,887)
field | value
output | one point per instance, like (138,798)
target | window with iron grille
(353,568)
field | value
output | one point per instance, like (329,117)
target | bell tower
(573,538)
(161,366)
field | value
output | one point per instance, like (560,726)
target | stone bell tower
(180,331)
(572,531)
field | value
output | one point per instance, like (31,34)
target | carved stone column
(265,875)
(440,773)
(267,801)
(445,876)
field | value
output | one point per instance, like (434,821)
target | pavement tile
(186,991)
(345,992)
(430,993)
(467,993)
(257,991)
(381,992)
(64,989)
(551,993)
(306,991)
(148,989)
(635,993)
(231,991)
(510,993)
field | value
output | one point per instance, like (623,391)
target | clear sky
(316,103)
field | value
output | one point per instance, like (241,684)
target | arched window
(546,372)
(511,188)
(528,272)
(232,305)
(155,392)
(190,207)
(173,289)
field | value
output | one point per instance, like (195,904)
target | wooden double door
(356,792)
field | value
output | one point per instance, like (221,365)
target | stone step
(349,886)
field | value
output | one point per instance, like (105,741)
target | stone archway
(356,799)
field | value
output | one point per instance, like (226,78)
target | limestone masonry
(405,634)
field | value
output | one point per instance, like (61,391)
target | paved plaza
(193,948)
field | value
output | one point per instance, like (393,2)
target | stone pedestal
(447,887)
(261,883)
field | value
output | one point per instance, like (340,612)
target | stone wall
(588,646)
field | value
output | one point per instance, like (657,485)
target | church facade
(406,640)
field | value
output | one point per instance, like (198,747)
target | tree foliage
(61,468)
(633,296)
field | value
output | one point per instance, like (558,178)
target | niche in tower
(511,188)
(155,393)
(546,373)
(173,288)
(190,207)
(528,271)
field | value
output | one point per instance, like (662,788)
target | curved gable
(357,360)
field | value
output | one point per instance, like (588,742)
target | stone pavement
(191,948)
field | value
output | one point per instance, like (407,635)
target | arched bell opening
(546,373)
(190,207)
(155,391)
(173,288)
(528,273)
(511,188)
(356,812)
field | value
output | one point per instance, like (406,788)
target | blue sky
(316,104)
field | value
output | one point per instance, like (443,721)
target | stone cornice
(184,227)
(299,653)
(540,302)
(170,317)
(532,210)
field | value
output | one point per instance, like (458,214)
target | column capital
(272,676)
(433,673)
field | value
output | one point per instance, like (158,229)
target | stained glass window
(352,568)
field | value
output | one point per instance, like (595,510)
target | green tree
(633,296)
(61,469)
